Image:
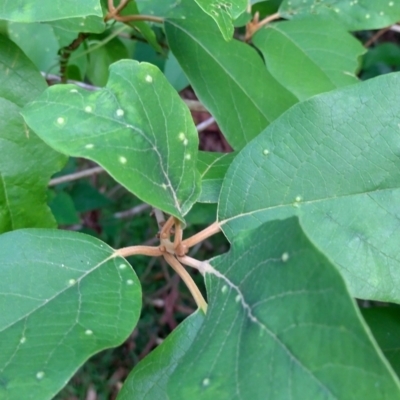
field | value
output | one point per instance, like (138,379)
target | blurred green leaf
(87,198)
(385,326)
(317,55)
(82,16)
(26,163)
(353,14)
(174,73)
(63,208)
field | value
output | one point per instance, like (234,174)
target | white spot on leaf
(89,146)
(60,121)
(122,159)
(73,91)
(149,78)
(40,375)
(129,282)
(122,266)
(181,136)
(23,340)
(88,109)
(188,156)
(206,382)
(164,186)
(224,289)
(265,152)
(88,332)
(285,257)
(71,282)
(237,298)
(298,198)
(120,112)
(185,142)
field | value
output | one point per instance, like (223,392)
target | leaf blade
(76,294)
(135,133)
(337,155)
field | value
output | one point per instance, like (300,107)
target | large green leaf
(353,14)
(70,14)
(229,78)
(137,128)
(212,168)
(334,161)
(280,325)
(149,378)
(385,326)
(64,296)
(26,163)
(317,55)
(223,13)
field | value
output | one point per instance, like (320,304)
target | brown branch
(375,37)
(204,234)
(139,250)
(253,26)
(65,54)
(191,285)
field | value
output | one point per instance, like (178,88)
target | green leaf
(72,299)
(100,59)
(84,16)
(212,168)
(318,55)
(333,160)
(87,198)
(355,15)
(149,378)
(174,73)
(223,13)
(280,325)
(141,26)
(26,163)
(20,81)
(27,36)
(63,208)
(385,324)
(242,96)
(137,128)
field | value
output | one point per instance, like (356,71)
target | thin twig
(76,175)
(178,233)
(166,229)
(205,124)
(132,211)
(375,37)
(139,250)
(204,234)
(191,285)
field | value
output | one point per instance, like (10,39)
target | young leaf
(223,13)
(137,128)
(332,160)
(212,168)
(26,163)
(242,96)
(149,378)
(280,325)
(353,14)
(84,16)
(309,50)
(64,297)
